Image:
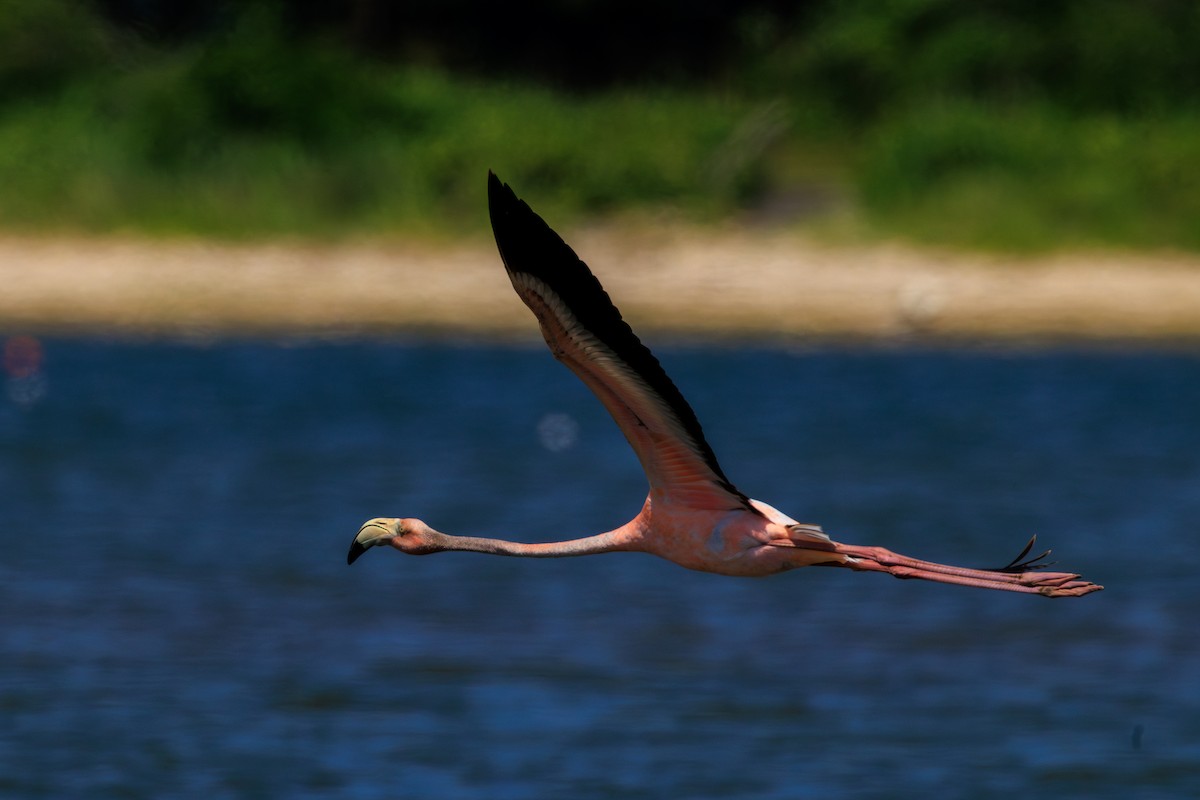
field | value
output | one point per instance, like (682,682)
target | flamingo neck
(610,542)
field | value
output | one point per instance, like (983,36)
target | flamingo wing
(585,331)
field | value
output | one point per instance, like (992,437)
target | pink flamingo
(693,515)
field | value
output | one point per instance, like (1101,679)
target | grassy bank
(102,159)
(920,122)
(251,136)
(1031,178)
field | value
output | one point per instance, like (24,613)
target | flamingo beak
(373,532)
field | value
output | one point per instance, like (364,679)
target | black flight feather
(527,244)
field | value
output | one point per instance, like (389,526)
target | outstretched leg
(1019,576)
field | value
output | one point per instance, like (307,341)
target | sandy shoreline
(675,281)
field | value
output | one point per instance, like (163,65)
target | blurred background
(176,616)
(998,124)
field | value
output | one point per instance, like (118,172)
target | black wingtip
(528,245)
(496,187)
(501,198)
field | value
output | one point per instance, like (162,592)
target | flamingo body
(693,515)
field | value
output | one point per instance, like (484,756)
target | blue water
(178,620)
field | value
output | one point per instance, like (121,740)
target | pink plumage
(693,515)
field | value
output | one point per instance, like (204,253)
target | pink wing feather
(585,331)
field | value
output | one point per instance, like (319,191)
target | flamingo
(693,515)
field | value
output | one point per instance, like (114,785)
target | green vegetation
(252,135)
(999,125)
(1006,125)
(139,156)
(1033,178)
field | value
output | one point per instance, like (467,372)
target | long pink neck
(611,542)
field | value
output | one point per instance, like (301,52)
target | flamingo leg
(1049,584)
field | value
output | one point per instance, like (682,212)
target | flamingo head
(407,535)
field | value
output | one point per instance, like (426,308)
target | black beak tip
(356,550)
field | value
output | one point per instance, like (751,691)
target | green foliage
(862,60)
(145,153)
(253,83)
(1004,124)
(46,43)
(992,123)
(1033,178)
(253,132)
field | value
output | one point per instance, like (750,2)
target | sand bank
(672,282)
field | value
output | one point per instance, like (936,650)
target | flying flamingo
(693,515)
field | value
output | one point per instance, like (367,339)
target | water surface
(178,620)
